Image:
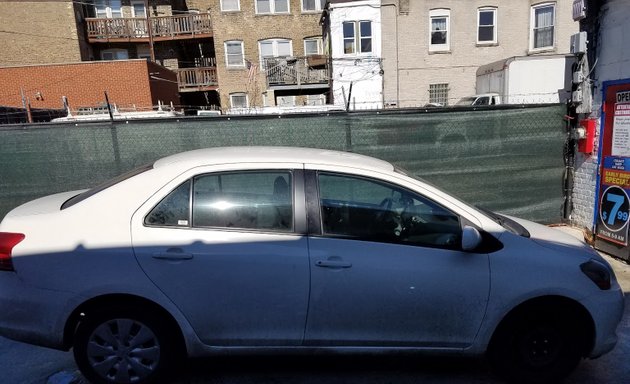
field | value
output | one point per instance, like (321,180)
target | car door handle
(333,264)
(173,254)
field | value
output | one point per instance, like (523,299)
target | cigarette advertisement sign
(614,205)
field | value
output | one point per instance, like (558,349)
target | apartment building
(166,32)
(268,53)
(434,47)
(352,34)
(41,32)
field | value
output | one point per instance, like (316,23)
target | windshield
(91,192)
(466,101)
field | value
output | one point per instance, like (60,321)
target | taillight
(7,242)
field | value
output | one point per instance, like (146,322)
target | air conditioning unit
(578,43)
(579,10)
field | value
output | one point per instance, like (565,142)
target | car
(250,249)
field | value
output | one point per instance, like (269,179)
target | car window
(250,200)
(371,210)
(173,210)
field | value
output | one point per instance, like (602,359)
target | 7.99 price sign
(614,213)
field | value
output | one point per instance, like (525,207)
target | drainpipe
(397,60)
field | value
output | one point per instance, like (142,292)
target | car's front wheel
(536,348)
(124,345)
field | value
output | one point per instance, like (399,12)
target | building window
(439,29)
(313,46)
(272,6)
(357,37)
(107,8)
(230,5)
(114,54)
(542,23)
(486,26)
(438,93)
(313,5)
(234,55)
(143,52)
(273,48)
(239,100)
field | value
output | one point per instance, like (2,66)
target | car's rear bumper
(29,314)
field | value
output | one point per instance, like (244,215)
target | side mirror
(471,238)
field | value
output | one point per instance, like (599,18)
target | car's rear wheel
(536,348)
(124,345)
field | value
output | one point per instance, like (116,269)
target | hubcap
(123,351)
(541,347)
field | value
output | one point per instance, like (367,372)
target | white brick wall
(613,63)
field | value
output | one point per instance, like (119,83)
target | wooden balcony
(197,79)
(134,29)
(297,72)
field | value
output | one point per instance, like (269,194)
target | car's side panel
(371,293)
(235,286)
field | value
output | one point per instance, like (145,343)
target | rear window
(82,196)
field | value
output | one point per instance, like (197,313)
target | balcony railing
(297,71)
(197,79)
(162,27)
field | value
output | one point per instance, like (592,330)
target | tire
(541,347)
(125,345)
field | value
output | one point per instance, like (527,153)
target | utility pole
(147,13)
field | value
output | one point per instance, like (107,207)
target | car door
(387,268)
(228,248)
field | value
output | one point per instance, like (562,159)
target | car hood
(47,204)
(554,239)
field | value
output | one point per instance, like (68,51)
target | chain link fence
(504,158)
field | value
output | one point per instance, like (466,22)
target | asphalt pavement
(26,364)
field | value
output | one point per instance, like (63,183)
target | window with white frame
(542,26)
(439,29)
(272,6)
(239,100)
(107,8)
(438,93)
(234,55)
(313,5)
(274,48)
(487,25)
(114,54)
(230,5)
(313,46)
(357,37)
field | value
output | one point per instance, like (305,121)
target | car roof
(226,155)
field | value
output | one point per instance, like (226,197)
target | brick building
(436,46)
(130,84)
(41,32)
(260,51)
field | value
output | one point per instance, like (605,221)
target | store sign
(621,125)
(614,205)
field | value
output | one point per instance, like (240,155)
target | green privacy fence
(508,159)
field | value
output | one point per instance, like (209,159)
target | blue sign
(614,214)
